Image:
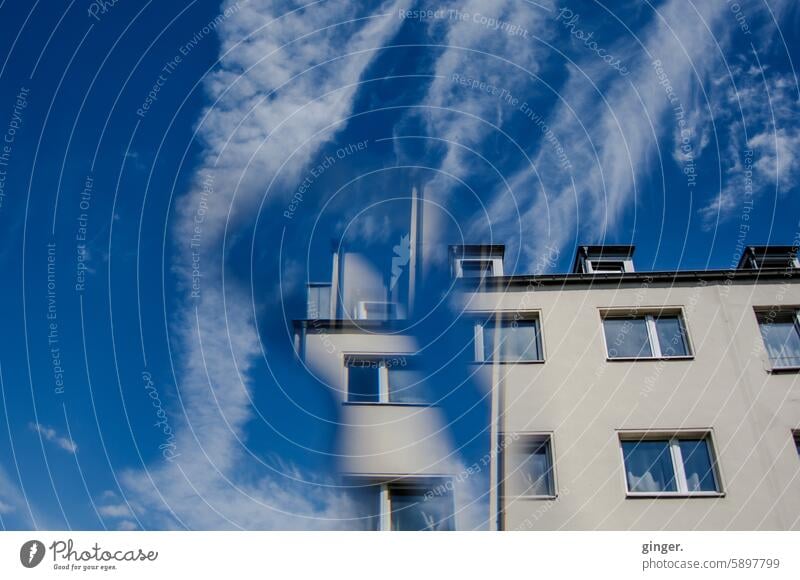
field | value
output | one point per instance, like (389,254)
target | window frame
(384,386)
(796,440)
(673,438)
(762,310)
(599,266)
(523,437)
(385,486)
(488,261)
(483,318)
(788,262)
(649,315)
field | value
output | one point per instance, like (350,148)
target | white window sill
(529,497)
(673,494)
(647,358)
(779,370)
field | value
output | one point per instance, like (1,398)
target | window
(406,506)
(781,333)
(528,467)
(778,261)
(405,383)
(476,268)
(797,441)
(509,339)
(679,464)
(608,267)
(383,379)
(645,336)
(363,381)
(419,508)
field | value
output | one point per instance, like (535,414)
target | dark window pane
(671,337)
(511,340)
(784,261)
(422,509)
(697,465)
(362,382)
(648,466)
(627,337)
(781,339)
(797,442)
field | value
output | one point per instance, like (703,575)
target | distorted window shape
(363,381)
(406,385)
(367,507)
(421,508)
(529,467)
(511,340)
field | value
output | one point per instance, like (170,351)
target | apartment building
(639,400)
(619,399)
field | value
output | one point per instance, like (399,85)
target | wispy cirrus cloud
(285,74)
(51,435)
(759,109)
(612,125)
(617,129)
(463,106)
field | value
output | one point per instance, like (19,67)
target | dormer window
(603,260)
(608,267)
(769,258)
(476,268)
(476,261)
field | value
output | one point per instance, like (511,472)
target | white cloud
(249,132)
(758,107)
(14,504)
(611,126)
(127,526)
(115,510)
(461,117)
(52,436)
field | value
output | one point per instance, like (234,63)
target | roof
(494,283)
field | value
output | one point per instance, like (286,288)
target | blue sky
(671,125)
